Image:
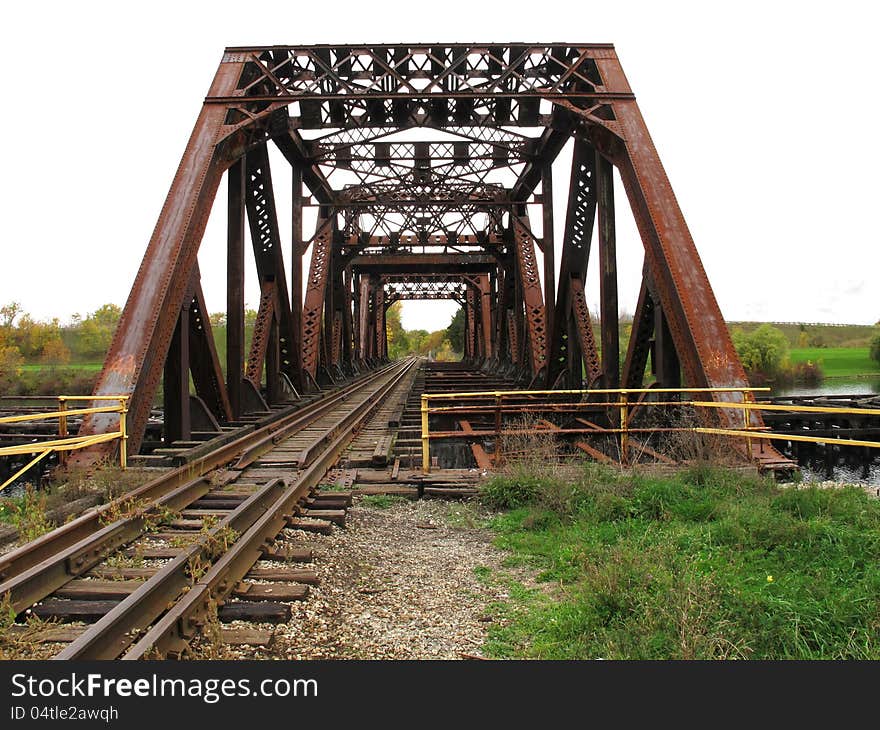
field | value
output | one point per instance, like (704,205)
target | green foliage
(762,351)
(11,368)
(95,332)
(27,513)
(875,348)
(705,564)
(403,342)
(455,331)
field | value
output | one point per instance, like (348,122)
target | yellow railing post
(123,437)
(747,422)
(426,437)
(624,433)
(62,426)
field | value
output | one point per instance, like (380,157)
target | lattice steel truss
(423,162)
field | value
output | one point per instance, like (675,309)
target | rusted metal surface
(262,331)
(313,307)
(531,293)
(413,206)
(585,332)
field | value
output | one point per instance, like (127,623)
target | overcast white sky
(764,113)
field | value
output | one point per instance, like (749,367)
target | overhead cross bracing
(415,153)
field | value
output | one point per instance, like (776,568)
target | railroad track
(197,532)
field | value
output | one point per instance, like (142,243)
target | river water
(840,386)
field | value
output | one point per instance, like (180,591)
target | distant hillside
(802,335)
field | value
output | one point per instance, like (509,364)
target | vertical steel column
(273,365)
(175,387)
(565,352)
(207,374)
(313,307)
(608,273)
(364,318)
(485,315)
(296,281)
(548,248)
(235,287)
(470,320)
(639,346)
(532,297)
(667,367)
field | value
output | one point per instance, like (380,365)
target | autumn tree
(762,351)
(455,331)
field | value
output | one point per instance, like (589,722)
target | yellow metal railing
(65,443)
(625,407)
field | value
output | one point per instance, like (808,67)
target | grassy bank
(837,362)
(816,335)
(706,564)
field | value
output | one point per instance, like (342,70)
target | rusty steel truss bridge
(422,162)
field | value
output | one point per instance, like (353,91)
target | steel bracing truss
(423,162)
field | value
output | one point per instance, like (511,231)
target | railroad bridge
(430,169)
(429,172)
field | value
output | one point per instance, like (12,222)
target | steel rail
(261,518)
(20,569)
(112,633)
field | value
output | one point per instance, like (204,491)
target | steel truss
(444,215)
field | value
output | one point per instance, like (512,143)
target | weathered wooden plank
(98,589)
(271,591)
(298,523)
(112,573)
(257,611)
(64,610)
(292,575)
(336,516)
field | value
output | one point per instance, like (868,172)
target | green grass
(707,564)
(382,501)
(91,367)
(838,361)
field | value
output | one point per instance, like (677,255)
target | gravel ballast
(400,582)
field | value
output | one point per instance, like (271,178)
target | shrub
(762,351)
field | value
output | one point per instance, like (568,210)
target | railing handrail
(624,404)
(66,443)
(597,391)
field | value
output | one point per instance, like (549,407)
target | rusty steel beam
(547,247)
(530,281)
(484,287)
(134,362)
(424,263)
(579,219)
(639,346)
(584,325)
(419,207)
(264,325)
(313,307)
(204,362)
(296,278)
(608,274)
(700,334)
(235,341)
(266,239)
